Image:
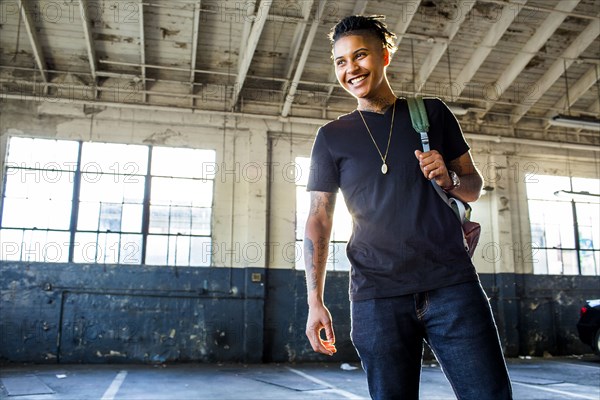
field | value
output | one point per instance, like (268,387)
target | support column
(508,304)
(255,173)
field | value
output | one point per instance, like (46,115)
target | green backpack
(462,210)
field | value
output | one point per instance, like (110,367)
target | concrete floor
(537,378)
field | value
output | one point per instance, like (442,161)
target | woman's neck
(377,104)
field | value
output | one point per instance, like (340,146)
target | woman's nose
(351,66)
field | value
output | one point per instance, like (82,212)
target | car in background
(589,324)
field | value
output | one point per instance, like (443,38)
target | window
(564,216)
(180,207)
(342,222)
(68,201)
(37,200)
(111,202)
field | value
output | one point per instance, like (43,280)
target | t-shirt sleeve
(454,141)
(323,175)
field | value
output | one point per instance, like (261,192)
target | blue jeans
(458,325)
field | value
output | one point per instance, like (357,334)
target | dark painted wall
(550,310)
(96,313)
(286,312)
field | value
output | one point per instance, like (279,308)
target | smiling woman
(360,62)
(411,278)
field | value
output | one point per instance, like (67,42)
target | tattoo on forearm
(322,205)
(322,250)
(322,200)
(315,259)
(311,269)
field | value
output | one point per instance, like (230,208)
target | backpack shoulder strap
(418,117)
(420,122)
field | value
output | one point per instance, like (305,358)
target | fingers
(329,333)
(315,341)
(330,347)
(319,345)
(431,163)
(319,319)
(329,344)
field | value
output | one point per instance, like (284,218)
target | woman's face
(360,61)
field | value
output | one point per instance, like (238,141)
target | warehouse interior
(154,159)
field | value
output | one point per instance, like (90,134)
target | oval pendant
(384,168)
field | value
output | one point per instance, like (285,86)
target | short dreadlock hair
(373,24)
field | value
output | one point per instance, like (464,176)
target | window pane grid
(109,226)
(110,201)
(34,245)
(107,248)
(180,220)
(41,153)
(179,250)
(565,238)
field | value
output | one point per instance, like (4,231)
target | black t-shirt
(405,239)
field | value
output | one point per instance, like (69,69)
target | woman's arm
(316,243)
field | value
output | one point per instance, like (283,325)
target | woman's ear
(387,57)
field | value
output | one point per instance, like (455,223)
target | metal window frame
(75,202)
(577,247)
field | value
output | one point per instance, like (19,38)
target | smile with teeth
(358,79)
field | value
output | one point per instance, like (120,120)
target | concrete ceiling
(505,64)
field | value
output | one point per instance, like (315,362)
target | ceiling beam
(143,49)
(248,52)
(407,13)
(486,46)
(297,40)
(194,49)
(87,33)
(317,85)
(302,120)
(359,8)
(578,89)
(249,5)
(289,99)
(595,108)
(438,50)
(540,8)
(557,69)
(533,45)
(33,40)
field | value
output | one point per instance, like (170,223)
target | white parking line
(114,387)
(547,389)
(332,388)
(594,367)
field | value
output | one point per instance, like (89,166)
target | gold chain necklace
(384,167)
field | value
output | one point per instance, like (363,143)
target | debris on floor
(348,367)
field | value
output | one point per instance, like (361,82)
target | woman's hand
(433,167)
(319,319)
